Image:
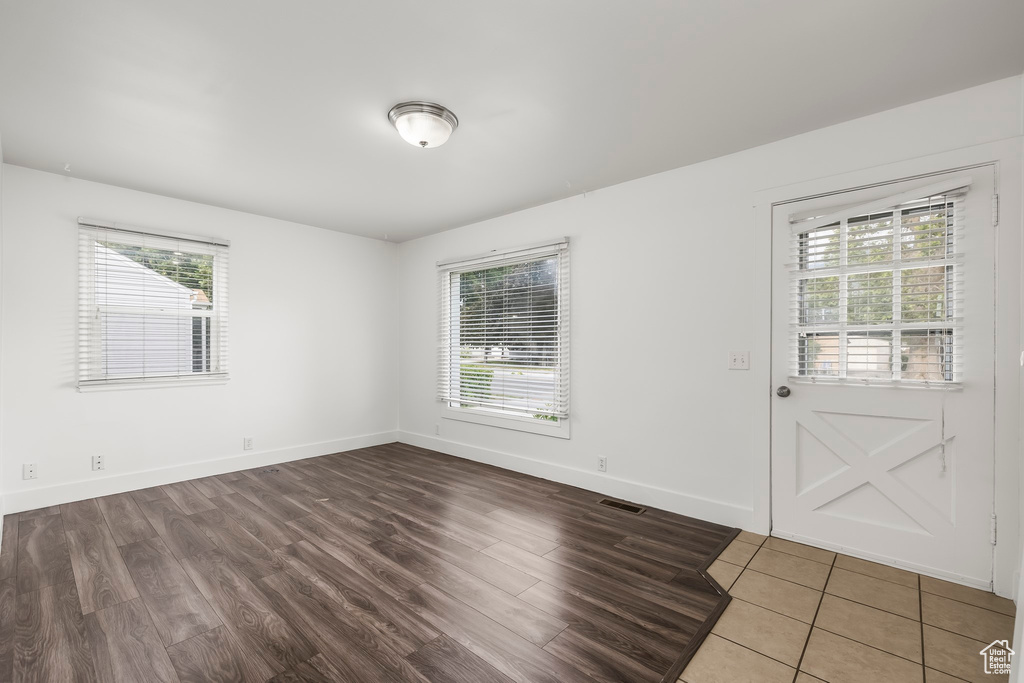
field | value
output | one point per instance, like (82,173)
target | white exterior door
(882,331)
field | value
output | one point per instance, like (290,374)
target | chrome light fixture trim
(444,117)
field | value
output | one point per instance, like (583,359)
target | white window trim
(559,430)
(493,418)
(202,245)
(153,383)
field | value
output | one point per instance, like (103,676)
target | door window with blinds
(504,347)
(152,307)
(876,292)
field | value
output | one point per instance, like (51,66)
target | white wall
(312,348)
(1018,626)
(675,424)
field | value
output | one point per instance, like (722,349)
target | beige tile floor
(805,615)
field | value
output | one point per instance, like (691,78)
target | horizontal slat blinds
(877,297)
(504,339)
(152,308)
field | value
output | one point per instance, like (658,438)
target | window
(505,334)
(876,296)
(152,308)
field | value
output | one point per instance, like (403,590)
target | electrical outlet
(247,443)
(437,430)
(98,463)
(28,470)
(739,360)
(602,464)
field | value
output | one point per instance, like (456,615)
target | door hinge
(995,210)
(993,539)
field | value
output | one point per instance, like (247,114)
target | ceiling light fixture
(423,124)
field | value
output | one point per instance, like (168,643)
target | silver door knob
(783,392)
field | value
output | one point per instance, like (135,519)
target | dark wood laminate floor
(390,563)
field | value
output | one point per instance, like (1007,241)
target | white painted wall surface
(662,287)
(312,348)
(1018,625)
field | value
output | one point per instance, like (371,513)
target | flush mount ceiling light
(423,124)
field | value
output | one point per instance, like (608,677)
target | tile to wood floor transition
(816,616)
(390,563)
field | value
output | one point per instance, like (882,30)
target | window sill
(559,430)
(127,385)
(875,383)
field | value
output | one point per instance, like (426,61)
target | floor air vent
(625,507)
(269,470)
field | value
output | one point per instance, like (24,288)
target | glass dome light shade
(423,124)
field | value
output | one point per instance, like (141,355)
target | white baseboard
(645,494)
(908,566)
(30,499)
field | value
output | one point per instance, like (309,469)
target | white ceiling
(280,108)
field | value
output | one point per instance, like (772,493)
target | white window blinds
(504,345)
(876,291)
(152,308)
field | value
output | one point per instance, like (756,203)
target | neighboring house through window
(152,307)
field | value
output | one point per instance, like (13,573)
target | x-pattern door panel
(838,464)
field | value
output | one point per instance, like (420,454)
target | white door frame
(1005,155)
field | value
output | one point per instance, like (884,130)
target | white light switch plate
(739,360)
